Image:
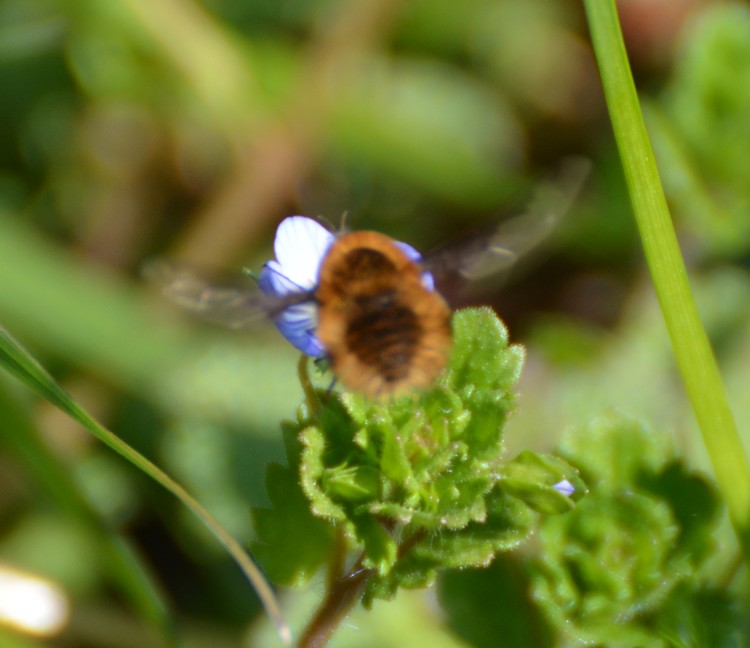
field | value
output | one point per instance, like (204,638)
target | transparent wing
(488,254)
(232,307)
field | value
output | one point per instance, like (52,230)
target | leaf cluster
(627,566)
(632,564)
(415,484)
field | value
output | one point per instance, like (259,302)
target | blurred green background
(133,130)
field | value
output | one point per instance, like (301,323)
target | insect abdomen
(384,331)
(385,334)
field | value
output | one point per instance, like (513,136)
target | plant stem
(341,598)
(343,594)
(695,358)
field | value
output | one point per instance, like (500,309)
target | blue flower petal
(273,281)
(428,280)
(565,487)
(300,245)
(297,324)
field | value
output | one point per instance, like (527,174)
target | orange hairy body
(384,331)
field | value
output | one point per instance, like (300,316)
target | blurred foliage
(130,130)
(700,128)
(628,566)
(637,541)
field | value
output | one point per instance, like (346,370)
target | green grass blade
(125,569)
(21,364)
(692,349)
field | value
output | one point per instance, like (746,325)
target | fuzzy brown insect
(369,305)
(385,332)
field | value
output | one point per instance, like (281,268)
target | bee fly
(364,301)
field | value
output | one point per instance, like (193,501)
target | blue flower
(300,246)
(565,487)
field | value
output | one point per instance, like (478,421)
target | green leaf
(380,548)
(482,359)
(512,620)
(612,451)
(694,505)
(616,562)
(532,477)
(703,618)
(312,472)
(606,563)
(352,483)
(508,523)
(292,543)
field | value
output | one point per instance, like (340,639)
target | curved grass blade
(24,367)
(21,438)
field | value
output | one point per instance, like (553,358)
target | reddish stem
(341,598)
(343,594)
